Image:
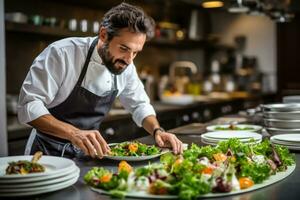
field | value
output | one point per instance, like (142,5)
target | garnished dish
(231,167)
(134,148)
(234,127)
(26,167)
(134,151)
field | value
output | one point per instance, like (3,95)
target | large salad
(230,166)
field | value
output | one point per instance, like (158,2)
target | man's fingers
(159,141)
(90,147)
(179,145)
(104,145)
(97,146)
(81,145)
(173,144)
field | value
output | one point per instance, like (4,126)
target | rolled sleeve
(141,112)
(41,85)
(31,111)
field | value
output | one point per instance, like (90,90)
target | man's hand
(165,139)
(91,142)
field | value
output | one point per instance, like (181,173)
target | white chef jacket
(54,73)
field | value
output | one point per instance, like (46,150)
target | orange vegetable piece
(153,189)
(133,147)
(207,170)
(178,161)
(124,166)
(106,178)
(245,182)
(220,157)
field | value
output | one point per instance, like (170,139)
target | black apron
(82,109)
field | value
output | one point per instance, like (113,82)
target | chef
(73,83)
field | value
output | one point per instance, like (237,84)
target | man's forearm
(52,126)
(150,123)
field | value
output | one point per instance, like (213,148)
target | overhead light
(238,7)
(212,4)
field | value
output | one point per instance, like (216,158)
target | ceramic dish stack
(291,141)
(212,138)
(281,118)
(59,173)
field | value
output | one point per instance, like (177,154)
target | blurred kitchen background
(208,58)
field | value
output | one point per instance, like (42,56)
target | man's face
(117,54)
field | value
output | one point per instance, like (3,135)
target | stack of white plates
(60,173)
(212,138)
(291,141)
(282,118)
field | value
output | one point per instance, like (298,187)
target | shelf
(59,32)
(43,30)
(187,44)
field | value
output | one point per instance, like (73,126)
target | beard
(109,62)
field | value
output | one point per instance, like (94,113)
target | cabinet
(288,47)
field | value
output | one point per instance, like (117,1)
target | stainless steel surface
(286,124)
(294,115)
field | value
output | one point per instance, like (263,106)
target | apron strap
(87,61)
(115,82)
(30,142)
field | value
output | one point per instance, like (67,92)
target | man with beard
(72,84)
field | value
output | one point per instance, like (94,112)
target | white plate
(281,107)
(178,100)
(288,137)
(275,131)
(38,178)
(52,164)
(291,147)
(281,142)
(29,185)
(282,124)
(273,179)
(254,127)
(208,139)
(232,134)
(135,158)
(216,143)
(295,115)
(218,140)
(41,190)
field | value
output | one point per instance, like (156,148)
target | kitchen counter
(119,126)
(285,189)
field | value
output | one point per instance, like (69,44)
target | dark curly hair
(128,16)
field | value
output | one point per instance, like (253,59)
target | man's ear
(103,34)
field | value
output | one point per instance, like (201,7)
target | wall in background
(261,38)
(3,132)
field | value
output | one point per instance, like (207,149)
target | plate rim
(44,182)
(7,159)
(54,188)
(275,137)
(228,132)
(256,127)
(135,158)
(274,179)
